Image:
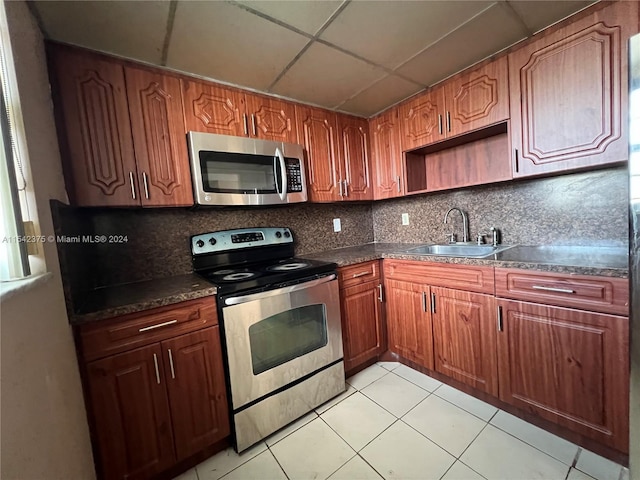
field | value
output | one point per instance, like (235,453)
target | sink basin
(453,250)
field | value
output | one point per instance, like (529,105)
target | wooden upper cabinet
(568,94)
(355,160)
(271,119)
(318,134)
(477,99)
(422,120)
(386,154)
(211,108)
(155,107)
(94,128)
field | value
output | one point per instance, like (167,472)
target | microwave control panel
(294,175)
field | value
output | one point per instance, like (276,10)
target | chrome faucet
(465,224)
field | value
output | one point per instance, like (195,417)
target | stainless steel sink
(454,250)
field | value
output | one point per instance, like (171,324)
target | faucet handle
(480,238)
(495,236)
(451,237)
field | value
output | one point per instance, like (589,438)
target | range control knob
(200,243)
(287,234)
(278,235)
(212,241)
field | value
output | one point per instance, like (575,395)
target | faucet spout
(465,223)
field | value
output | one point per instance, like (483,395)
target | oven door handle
(283,174)
(280,291)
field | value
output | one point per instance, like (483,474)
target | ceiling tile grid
(356,56)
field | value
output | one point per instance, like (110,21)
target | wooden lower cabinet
(568,366)
(409,321)
(464,336)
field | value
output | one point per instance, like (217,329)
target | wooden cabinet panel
(211,108)
(196,387)
(271,119)
(354,152)
(131,414)
(598,294)
(568,366)
(464,333)
(386,154)
(422,119)
(99,162)
(409,321)
(318,135)
(155,107)
(568,94)
(362,334)
(477,99)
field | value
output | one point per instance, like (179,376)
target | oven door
(276,337)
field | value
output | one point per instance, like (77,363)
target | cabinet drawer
(598,294)
(461,277)
(123,333)
(359,273)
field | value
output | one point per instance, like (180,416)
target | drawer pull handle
(552,289)
(153,327)
(361,274)
(155,362)
(173,372)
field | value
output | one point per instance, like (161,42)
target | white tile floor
(396,423)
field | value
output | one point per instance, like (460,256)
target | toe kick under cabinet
(154,387)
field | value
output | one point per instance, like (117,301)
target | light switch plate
(405,219)
(336,225)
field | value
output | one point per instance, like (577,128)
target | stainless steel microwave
(229,170)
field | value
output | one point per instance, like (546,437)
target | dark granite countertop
(108,302)
(602,261)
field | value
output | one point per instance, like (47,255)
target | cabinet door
(131,414)
(568,366)
(272,119)
(362,335)
(98,155)
(569,94)
(464,337)
(155,106)
(354,143)
(409,321)
(422,120)
(197,393)
(318,135)
(211,108)
(386,155)
(477,99)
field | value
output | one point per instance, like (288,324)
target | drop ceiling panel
(536,18)
(379,96)
(222,41)
(131,29)
(467,45)
(390,32)
(326,76)
(307,16)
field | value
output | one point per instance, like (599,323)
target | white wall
(44,433)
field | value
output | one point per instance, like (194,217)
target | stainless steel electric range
(281,331)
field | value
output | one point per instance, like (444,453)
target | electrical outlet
(336,225)
(405,219)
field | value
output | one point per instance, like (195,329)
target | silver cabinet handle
(146,185)
(158,325)
(448,122)
(346,189)
(440,124)
(398,177)
(500,319)
(245,123)
(253,125)
(173,372)
(380,293)
(133,188)
(155,362)
(552,289)
(424,301)
(340,186)
(361,274)
(433,302)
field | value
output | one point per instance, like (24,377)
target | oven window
(237,173)
(287,335)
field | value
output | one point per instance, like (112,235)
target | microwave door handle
(283,174)
(280,291)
